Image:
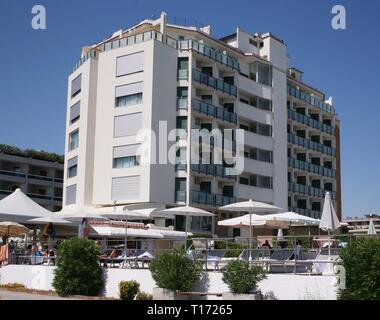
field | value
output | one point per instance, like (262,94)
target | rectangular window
(73,140)
(264,182)
(181,123)
(126,156)
(126,188)
(244,180)
(264,104)
(76,85)
(183,63)
(264,155)
(129,94)
(74,112)
(264,129)
(127,125)
(71,194)
(130,63)
(182,92)
(72,167)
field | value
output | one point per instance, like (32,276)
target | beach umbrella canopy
(252,207)
(119,214)
(188,211)
(254,220)
(53,218)
(12,229)
(150,213)
(78,213)
(371,228)
(293,218)
(18,207)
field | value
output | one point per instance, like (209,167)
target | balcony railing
(213,111)
(180,166)
(12,173)
(292,91)
(209,52)
(127,41)
(309,167)
(221,143)
(311,191)
(306,143)
(310,122)
(214,83)
(214,200)
(5,192)
(306,212)
(37,177)
(182,103)
(215,170)
(39,196)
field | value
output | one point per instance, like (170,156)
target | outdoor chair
(279,259)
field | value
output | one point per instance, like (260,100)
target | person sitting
(266,244)
(36,252)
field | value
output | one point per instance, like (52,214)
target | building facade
(41,180)
(163,77)
(360,225)
(313,148)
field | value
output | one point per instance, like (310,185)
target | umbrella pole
(126,238)
(250,235)
(185,233)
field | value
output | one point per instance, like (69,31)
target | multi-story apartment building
(156,71)
(361,224)
(37,177)
(313,148)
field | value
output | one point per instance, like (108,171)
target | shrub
(361,260)
(128,289)
(175,270)
(12,286)
(241,277)
(78,270)
(144,296)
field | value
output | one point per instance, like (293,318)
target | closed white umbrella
(251,207)
(329,220)
(371,228)
(280,234)
(187,211)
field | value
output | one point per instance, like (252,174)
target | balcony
(213,111)
(215,170)
(306,212)
(294,92)
(251,112)
(310,122)
(257,141)
(182,103)
(210,199)
(308,144)
(39,196)
(247,192)
(214,141)
(12,173)
(41,178)
(309,167)
(214,83)
(311,191)
(258,167)
(251,86)
(209,53)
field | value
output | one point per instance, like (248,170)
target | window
(71,194)
(182,92)
(72,167)
(181,155)
(244,180)
(74,112)
(76,85)
(264,155)
(73,140)
(129,94)
(264,129)
(126,156)
(264,182)
(201,223)
(126,188)
(127,125)
(130,63)
(264,104)
(182,123)
(183,63)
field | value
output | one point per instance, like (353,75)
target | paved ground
(12,295)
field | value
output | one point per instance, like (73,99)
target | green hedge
(31,153)
(361,260)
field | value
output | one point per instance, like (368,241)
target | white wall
(283,286)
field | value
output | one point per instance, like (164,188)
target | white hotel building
(156,71)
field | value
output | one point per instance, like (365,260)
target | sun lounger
(278,260)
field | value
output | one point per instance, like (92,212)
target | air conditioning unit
(220,185)
(198,92)
(198,64)
(197,180)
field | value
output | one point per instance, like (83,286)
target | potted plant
(242,279)
(173,272)
(128,289)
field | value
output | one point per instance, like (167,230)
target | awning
(107,231)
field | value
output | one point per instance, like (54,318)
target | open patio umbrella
(329,220)
(371,228)
(293,218)
(251,207)
(12,229)
(187,211)
(82,214)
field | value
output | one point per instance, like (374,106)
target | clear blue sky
(34,66)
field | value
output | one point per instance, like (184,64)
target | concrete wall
(283,286)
